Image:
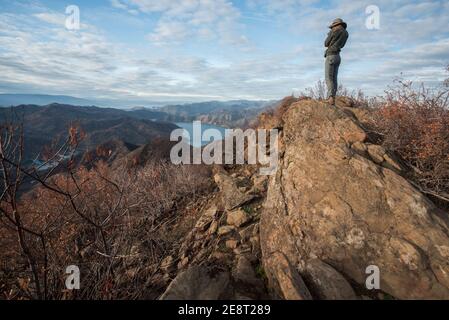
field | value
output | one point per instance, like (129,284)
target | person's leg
(331,78)
(335,65)
(328,78)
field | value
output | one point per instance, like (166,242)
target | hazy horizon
(45,99)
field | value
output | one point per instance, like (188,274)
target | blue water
(188,128)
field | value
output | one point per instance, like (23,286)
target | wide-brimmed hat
(337,22)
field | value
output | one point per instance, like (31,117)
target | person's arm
(328,40)
(341,39)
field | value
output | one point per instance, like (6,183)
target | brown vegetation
(112,224)
(414,122)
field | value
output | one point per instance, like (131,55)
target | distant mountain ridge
(7,100)
(196,109)
(15,99)
(47,125)
(232,114)
(236,113)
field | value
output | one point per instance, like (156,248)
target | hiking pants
(331,70)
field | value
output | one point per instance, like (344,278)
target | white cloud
(120,5)
(412,39)
(168,30)
(183,19)
(52,18)
(47,58)
(117,4)
(38,54)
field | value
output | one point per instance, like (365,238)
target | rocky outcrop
(197,283)
(326,282)
(338,204)
(222,249)
(232,196)
(286,281)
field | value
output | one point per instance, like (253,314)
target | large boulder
(237,217)
(332,202)
(326,283)
(197,283)
(285,280)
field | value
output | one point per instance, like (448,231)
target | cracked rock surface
(340,199)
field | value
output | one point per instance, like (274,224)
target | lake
(188,128)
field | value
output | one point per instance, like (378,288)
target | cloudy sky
(197,50)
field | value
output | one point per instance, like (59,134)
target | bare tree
(32,238)
(113,223)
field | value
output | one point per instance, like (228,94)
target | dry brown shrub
(414,121)
(119,259)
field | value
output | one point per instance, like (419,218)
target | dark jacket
(335,41)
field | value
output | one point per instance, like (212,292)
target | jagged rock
(391,162)
(183,263)
(244,272)
(376,152)
(237,217)
(206,218)
(360,147)
(326,283)
(185,253)
(269,121)
(224,230)
(255,242)
(213,228)
(285,279)
(246,233)
(248,171)
(232,244)
(197,283)
(260,183)
(232,196)
(330,203)
(348,105)
(379,155)
(273,119)
(242,249)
